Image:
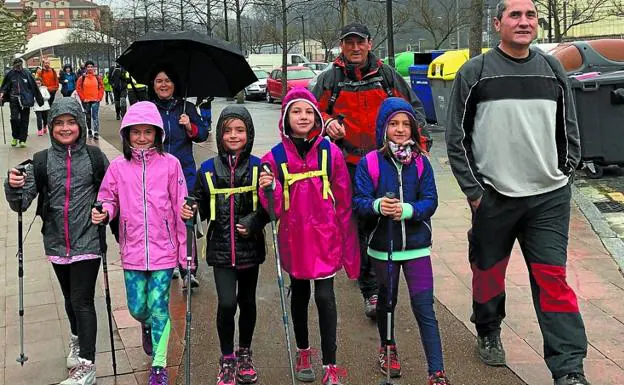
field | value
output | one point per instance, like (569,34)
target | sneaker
(491,350)
(331,375)
(96,135)
(45,129)
(90,134)
(22,144)
(370,306)
(303,369)
(39,132)
(227,372)
(393,360)
(158,376)
(572,379)
(176,271)
(194,281)
(146,333)
(439,378)
(13,142)
(83,374)
(118,117)
(245,370)
(74,351)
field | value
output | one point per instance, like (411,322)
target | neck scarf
(402,152)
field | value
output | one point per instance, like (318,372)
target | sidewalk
(592,273)
(46,329)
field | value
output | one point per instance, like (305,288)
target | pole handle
(269,193)
(190,201)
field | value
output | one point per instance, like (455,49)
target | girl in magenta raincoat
(317,235)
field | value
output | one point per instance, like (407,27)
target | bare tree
(567,14)
(373,14)
(617,8)
(438,18)
(324,30)
(476,27)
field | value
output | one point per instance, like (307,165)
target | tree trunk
(476,27)
(208,18)
(239,34)
(343,12)
(284,49)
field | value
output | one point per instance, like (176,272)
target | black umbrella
(204,65)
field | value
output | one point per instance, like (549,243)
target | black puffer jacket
(226,247)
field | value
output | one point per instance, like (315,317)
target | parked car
(257,90)
(298,76)
(317,67)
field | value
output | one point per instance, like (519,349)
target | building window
(47,15)
(61,14)
(48,24)
(34,24)
(75,14)
(61,23)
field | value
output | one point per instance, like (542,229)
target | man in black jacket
(19,88)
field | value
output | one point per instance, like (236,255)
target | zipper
(66,208)
(403,236)
(168,133)
(145,209)
(232,224)
(169,233)
(125,239)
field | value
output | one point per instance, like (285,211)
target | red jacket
(90,88)
(359,100)
(49,78)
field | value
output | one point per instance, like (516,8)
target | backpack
(40,163)
(100,83)
(286,178)
(208,169)
(372,163)
(340,76)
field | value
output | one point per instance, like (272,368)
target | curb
(610,240)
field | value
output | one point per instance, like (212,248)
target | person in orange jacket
(49,78)
(90,90)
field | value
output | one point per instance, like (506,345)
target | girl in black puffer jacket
(226,192)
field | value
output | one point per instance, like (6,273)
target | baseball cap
(355,29)
(17,61)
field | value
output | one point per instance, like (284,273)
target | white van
(270,61)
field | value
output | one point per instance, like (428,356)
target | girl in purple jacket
(317,235)
(146,188)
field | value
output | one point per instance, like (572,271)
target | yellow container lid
(445,66)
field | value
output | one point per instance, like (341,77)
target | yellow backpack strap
(254,185)
(213,196)
(324,176)
(285,186)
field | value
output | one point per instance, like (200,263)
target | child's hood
(72,107)
(142,113)
(389,108)
(237,112)
(295,95)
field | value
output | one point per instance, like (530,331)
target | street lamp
(302,34)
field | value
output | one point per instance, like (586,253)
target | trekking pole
(3,129)
(21,169)
(190,201)
(280,279)
(389,312)
(103,248)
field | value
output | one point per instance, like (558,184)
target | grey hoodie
(65,164)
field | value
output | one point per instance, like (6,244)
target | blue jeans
(92,111)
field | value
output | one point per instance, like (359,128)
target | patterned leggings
(148,302)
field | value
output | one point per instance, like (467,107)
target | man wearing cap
(20,89)
(349,96)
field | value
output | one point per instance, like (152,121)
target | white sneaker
(74,352)
(176,273)
(83,374)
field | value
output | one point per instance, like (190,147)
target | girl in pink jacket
(317,236)
(145,187)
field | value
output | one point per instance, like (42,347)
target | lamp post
(390,33)
(419,43)
(303,34)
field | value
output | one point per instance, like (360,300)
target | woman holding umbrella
(182,124)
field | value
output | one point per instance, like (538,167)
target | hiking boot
(176,271)
(74,350)
(227,372)
(82,374)
(158,376)
(245,370)
(393,360)
(39,132)
(331,374)
(22,144)
(370,306)
(146,333)
(439,378)
(303,369)
(13,142)
(572,379)
(491,350)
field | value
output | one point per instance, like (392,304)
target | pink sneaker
(39,132)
